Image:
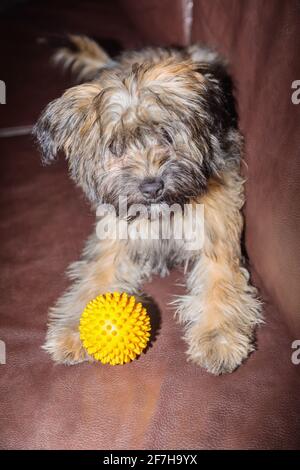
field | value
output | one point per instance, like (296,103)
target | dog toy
(114,328)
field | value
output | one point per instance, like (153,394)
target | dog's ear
(219,93)
(68,123)
(217,110)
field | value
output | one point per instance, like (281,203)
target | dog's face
(152,133)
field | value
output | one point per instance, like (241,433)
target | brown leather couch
(158,401)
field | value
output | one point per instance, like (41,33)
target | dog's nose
(151,188)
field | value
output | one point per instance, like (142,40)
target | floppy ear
(218,111)
(219,93)
(67,123)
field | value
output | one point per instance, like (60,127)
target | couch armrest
(261,41)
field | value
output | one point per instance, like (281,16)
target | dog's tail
(80,54)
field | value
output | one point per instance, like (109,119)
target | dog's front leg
(221,308)
(105,267)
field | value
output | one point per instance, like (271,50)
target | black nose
(151,188)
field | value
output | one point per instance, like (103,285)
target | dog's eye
(116,148)
(112,148)
(167,136)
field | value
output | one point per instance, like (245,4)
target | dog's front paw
(65,346)
(218,350)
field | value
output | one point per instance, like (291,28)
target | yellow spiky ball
(114,328)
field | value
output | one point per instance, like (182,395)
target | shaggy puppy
(157,126)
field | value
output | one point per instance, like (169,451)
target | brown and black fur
(164,114)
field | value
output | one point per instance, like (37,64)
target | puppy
(157,127)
